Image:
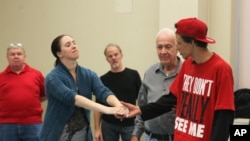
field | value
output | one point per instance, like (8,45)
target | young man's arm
(164,104)
(222,121)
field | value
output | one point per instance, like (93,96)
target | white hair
(168,31)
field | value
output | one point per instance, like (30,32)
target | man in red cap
(202,90)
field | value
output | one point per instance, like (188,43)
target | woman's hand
(121,112)
(133,109)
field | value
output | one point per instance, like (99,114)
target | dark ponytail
(56,47)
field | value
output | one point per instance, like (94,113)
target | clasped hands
(127,111)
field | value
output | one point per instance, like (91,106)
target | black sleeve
(164,104)
(138,84)
(222,121)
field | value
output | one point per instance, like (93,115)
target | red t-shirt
(20,96)
(200,90)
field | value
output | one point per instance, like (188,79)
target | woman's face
(69,49)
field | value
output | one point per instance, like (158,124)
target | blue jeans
(112,132)
(19,132)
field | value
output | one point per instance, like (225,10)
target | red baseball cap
(193,27)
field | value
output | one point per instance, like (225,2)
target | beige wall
(243,43)
(173,10)
(93,24)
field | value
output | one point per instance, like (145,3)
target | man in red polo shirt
(21,93)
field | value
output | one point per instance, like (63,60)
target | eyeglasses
(15,45)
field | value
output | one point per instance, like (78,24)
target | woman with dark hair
(69,89)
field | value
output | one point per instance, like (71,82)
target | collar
(159,68)
(25,69)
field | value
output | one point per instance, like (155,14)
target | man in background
(125,84)
(156,81)
(21,94)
